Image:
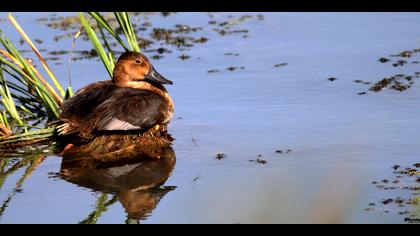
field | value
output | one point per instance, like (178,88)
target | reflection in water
(133,176)
(11,163)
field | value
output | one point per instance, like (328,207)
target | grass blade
(101,21)
(7,99)
(97,44)
(124,20)
(111,55)
(28,73)
(46,97)
(42,60)
(26,64)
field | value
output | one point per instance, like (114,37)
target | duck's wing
(76,112)
(87,99)
(130,109)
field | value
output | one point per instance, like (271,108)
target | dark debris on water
(280,151)
(213,71)
(399,63)
(399,82)
(396,167)
(184,57)
(62,22)
(387,201)
(406,179)
(407,53)
(233,68)
(39,41)
(231,54)
(359,81)
(259,161)
(220,156)
(281,64)
(383,60)
(156,57)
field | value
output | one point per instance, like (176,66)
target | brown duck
(134,106)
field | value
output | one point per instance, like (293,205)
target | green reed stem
(97,44)
(124,20)
(102,22)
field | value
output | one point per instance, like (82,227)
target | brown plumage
(133,104)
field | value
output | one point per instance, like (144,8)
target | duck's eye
(138,61)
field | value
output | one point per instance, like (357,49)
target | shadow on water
(133,177)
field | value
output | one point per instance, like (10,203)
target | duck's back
(103,107)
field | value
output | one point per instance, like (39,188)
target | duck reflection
(134,174)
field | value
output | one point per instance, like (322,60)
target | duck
(133,103)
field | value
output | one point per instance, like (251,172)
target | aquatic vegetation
(405,181)
(407,53)
(27,97)
(397,82)
(180,37)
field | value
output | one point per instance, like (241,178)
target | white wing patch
(116,124)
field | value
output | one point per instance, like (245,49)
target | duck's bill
(156,77)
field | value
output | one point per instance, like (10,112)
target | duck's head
(134,68)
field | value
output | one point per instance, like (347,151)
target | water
(340,141)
